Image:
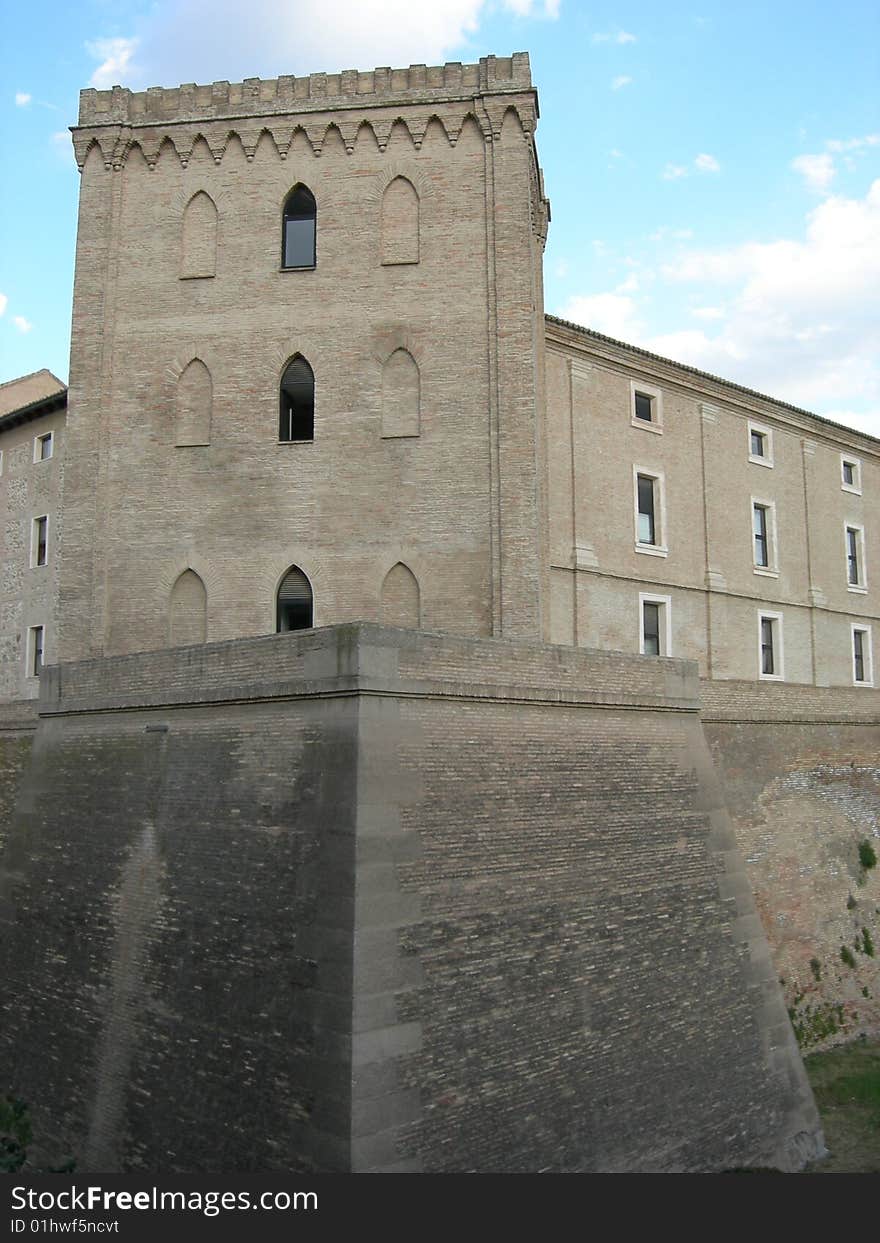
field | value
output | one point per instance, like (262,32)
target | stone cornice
(703,387)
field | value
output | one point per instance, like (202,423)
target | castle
(448,877)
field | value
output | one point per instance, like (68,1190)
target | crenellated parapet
(352,103)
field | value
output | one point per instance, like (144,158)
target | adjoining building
(32,417)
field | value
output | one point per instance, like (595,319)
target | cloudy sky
(714,168)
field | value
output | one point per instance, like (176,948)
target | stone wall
(371,899)
(801,774)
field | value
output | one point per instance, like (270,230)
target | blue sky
(713,168)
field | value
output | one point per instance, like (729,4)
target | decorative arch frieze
(115,142)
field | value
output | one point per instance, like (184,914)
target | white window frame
(1,461)
(861,587)
(38,443)
(778,647)
(30,649)
(762,430)
(665,602)
(656,396)
(771,569)
(856,486)
(35,545)
(660,548)
(867,653)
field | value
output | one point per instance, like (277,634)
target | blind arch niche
(199,242)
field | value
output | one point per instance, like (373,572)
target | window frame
(31,650)
(664,629)
(856,486)
(299,267)
(771,569)
(659,548)
(778,646)
(39,441)
(860,586)
(36,563)
(655,394)
(761,429)
(296,440)
(867,653)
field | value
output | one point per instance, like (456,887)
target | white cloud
(4,302)
(22,99)
(207,40)
(116,66)
(665,233)
(707,312)
(672,172)
(707,164)
(803,316)
(621,80)
(22,324)
(853,144)
(622,36)
(611,313)
(630,285)
(817,171)
(615,154)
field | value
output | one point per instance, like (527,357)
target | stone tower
(414,492)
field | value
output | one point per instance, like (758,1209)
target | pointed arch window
(294,610)
(298,229)
(297,415)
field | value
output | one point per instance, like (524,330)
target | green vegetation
(846,1084)
(15,1134)
(847,955)
(816,968)
(867,943)
(813,1024)
(851,903)
(867,855)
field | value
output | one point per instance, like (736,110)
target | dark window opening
(852,556)
(294,602)
(297,418)
(42,534)
(644,407)
(859,655)
(762,547)
(37,660)
(647,527)
(651,628)
(849,474)
(767,663)
(298,234)
(758,441)
(45,443)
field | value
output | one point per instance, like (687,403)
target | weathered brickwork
(802,783)
(459,504)
(392,912)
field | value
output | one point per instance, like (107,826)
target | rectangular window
(851,474)
(855,558)
(40,541)
(650,512)
(762,546)
(863,671)
(764,537)
(770,646)
(647,523)
(655,625)
(35,643)
(760,445)
(43,447)
(646,406)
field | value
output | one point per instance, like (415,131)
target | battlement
(492,75)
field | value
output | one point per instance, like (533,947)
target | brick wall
(420,903)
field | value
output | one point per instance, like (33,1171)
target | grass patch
(846,1084)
